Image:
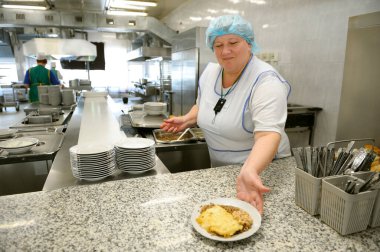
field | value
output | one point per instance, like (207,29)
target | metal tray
(49,144)
(198,133)
(139,119)
(160,135)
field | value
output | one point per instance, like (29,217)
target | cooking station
(50,135)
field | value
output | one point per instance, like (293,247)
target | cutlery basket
(344,212)
(308,192)
(375,217)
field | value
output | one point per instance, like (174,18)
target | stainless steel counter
(49,144)
(60,174)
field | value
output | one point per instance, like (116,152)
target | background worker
(37,76)
(57,73)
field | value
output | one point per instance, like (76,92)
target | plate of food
(226,219)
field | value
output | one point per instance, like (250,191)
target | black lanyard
(222,100)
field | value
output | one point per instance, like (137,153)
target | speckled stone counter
(153,214)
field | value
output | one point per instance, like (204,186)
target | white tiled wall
(309,35)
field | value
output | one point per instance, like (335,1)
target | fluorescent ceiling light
(141,3)
(231,11)
(196,18)
(212,11)
(126,13)
(33,1)
(258,2)
(122,4)
(28,7)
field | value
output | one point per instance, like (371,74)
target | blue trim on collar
(250,93)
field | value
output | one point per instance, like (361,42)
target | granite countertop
(153,214)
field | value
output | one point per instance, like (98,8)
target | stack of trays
(135,155)
(92,162)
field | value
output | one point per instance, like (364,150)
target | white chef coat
(256,102)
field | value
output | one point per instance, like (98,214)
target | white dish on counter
(5,133)
(135,143)
(19,145)
(91,149)
(255,215)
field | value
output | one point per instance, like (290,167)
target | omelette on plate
(224,221)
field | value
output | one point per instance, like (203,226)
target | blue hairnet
(230,24)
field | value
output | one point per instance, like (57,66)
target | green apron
(38,76)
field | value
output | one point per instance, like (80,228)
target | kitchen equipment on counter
(161,136)
(94,94)
(316,163)
(135,155)
(38,119)
(43,89)
(344,212)
(68,96)
(54,92)
(139,119)
(78,84)
(92,162)
(53,112)
(7,133)
(44,99)
(18,145)
(375,217)
(155,108)
(49,142)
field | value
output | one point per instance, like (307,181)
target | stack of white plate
(135,155)
(92,162)
(7,133)
(68,97)
(155,108)
(19,145)
(54,92)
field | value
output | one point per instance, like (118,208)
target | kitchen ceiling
(163,8)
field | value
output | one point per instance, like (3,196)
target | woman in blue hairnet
(241,107)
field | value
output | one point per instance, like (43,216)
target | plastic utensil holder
(375,216)
(344,212)
(308,192)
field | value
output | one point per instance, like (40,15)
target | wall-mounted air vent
(20,16)
(49,18)
(78,19)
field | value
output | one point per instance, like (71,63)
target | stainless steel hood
(55,48)
(85,21)
(144,53)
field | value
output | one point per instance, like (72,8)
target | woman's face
(232,52)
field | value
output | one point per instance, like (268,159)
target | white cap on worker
(52,64)
(41,56)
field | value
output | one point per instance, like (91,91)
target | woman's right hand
(174,124)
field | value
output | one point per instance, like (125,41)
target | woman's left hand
(251,189)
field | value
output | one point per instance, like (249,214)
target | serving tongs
(183,134)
